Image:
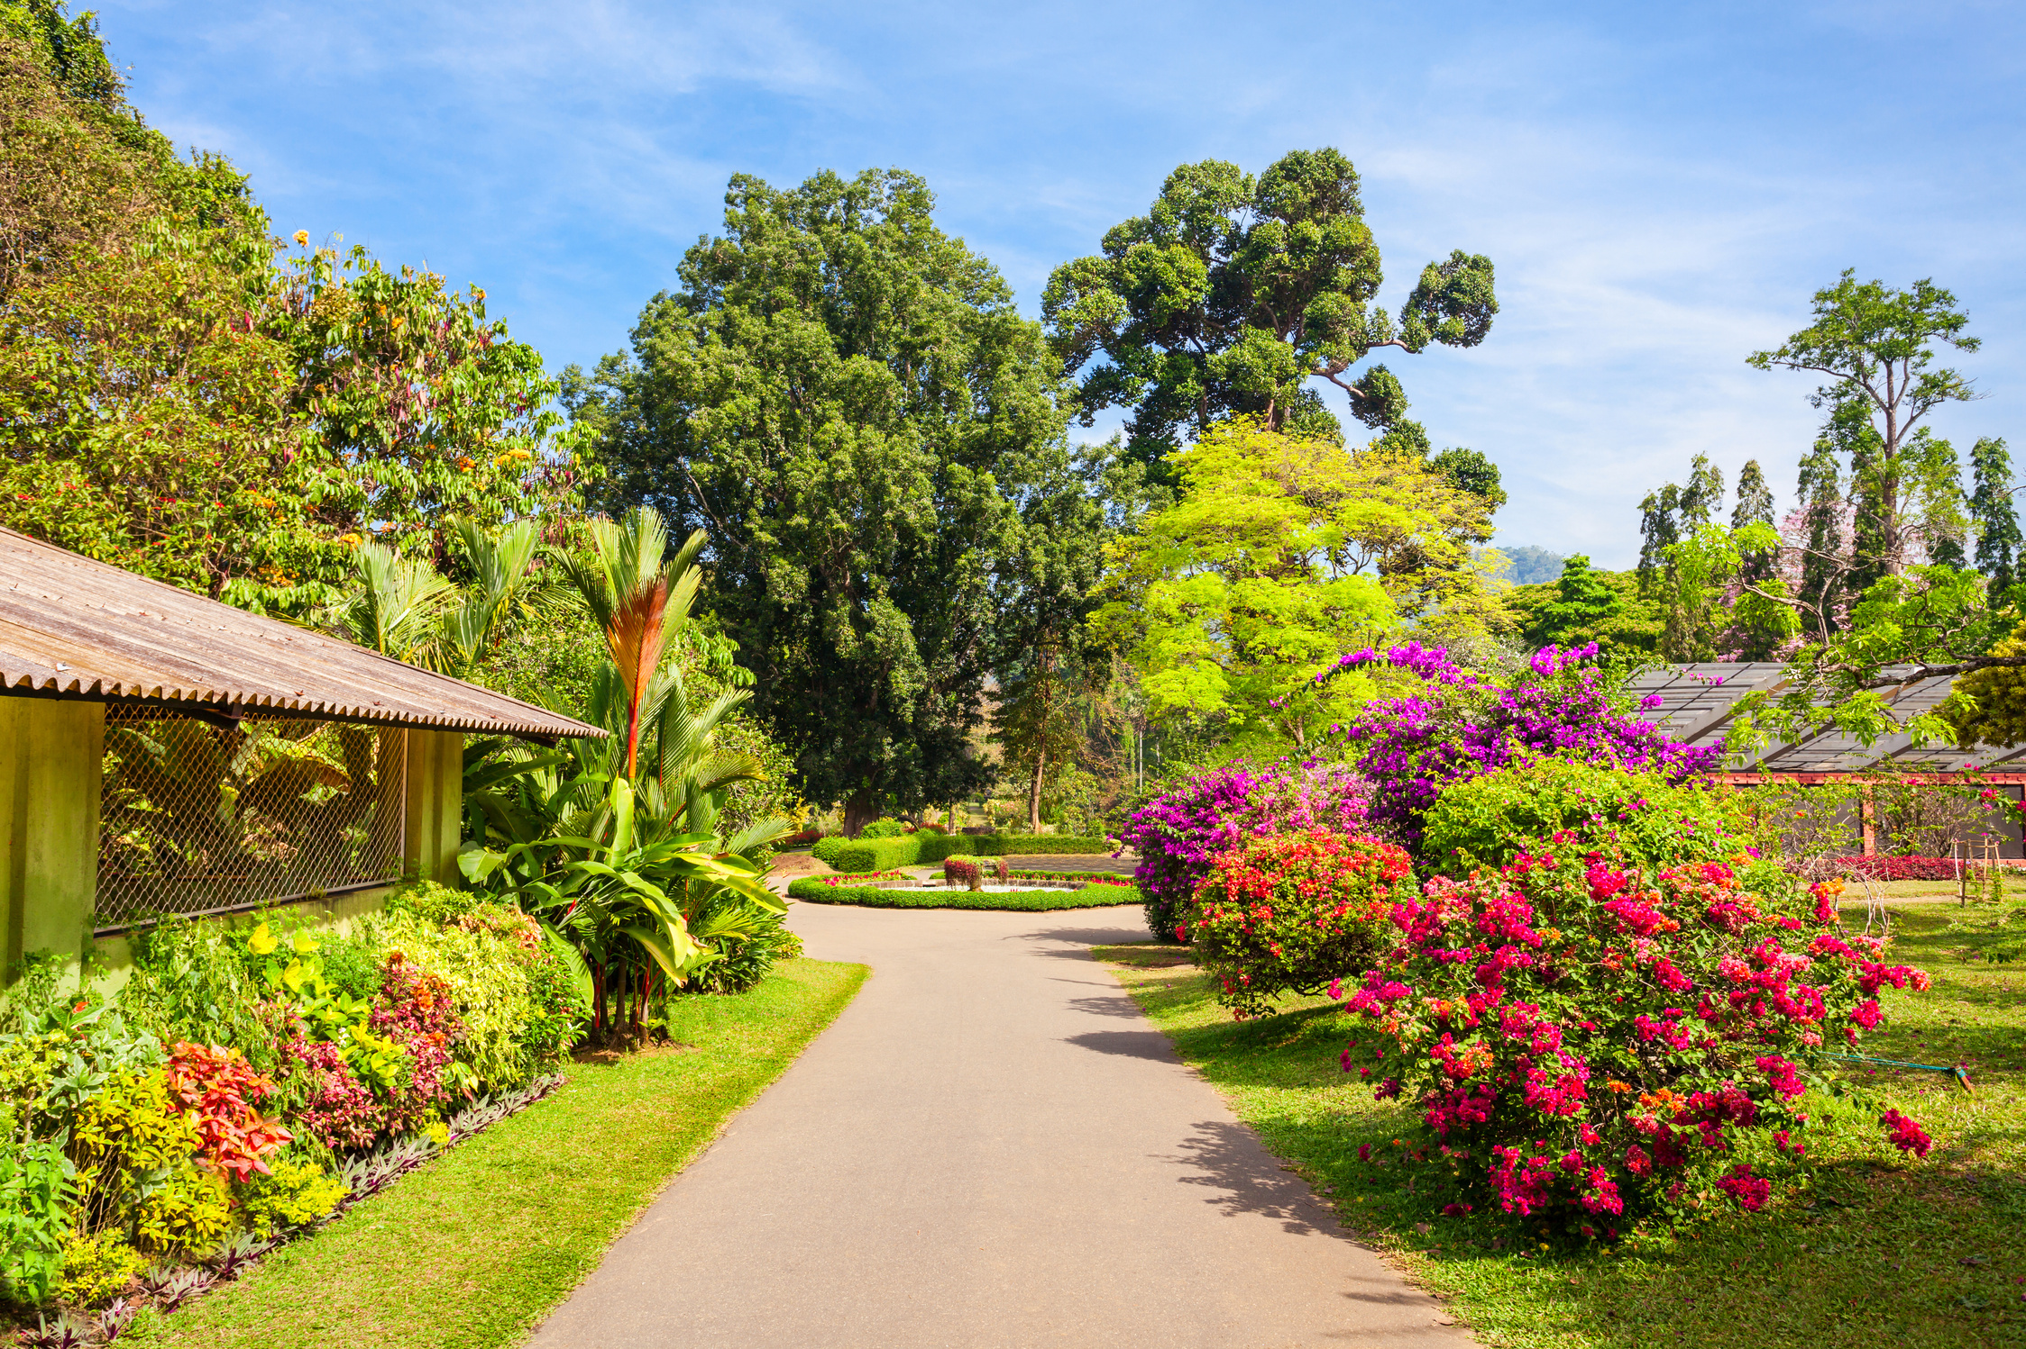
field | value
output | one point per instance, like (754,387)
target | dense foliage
(1178,836)
(1412,747)
(1290,913)
(1233,291)
(184,398)
(1277,554)
(842,393)
(1589,1039)
(218,1090)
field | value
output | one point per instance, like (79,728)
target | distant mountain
(1532,566)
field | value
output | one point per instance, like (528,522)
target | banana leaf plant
(621,901)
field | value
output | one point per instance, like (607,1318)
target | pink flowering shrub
(1586,1039)
(1291,913)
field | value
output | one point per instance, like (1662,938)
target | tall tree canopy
(180,398)
(1280,554)
(845,398)
(1232,292)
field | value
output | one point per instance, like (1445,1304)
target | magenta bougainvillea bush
(1457,726)
(1178,836)
(1588,1041)
(1288,913)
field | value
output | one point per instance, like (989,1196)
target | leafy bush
(1289,913)
(818,890)
(96,1267)
(483,957)
(1490,819)
(826,849)
(748,938)
(879,854)
(962,870)
(884,829)
(1587,1038)
(295,1192)
(1180,833)
(35,1191)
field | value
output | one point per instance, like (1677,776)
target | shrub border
(819,890)
(857,856)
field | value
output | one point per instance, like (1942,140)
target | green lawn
(474,1248)
(1882,1254)
(815,891)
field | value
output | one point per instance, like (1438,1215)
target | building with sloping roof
(162,753)
(1698,704)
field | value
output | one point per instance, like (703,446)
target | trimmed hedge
(815,891)
(854,856)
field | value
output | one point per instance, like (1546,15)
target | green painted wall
(50,754)
(435,804)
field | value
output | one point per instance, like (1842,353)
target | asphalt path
(990,1147)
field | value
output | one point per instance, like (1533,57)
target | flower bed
(816,891)
(226,1091)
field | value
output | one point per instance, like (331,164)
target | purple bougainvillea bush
(1585,1040)
(1179,835)
(1457,726)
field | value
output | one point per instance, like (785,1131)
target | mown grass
(474,1249)
(1018,901)
(1875,1251)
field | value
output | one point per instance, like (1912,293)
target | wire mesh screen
(197,819)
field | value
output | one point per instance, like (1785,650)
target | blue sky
(1661,187)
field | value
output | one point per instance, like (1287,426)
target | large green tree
(1280,554)
(1233,292)
(1875,349)
(847,399)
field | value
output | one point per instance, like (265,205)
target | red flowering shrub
(1289,913)
(1910,868)
(221,1092)
(962,870)
(1585,1040)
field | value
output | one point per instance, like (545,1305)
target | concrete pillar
(50,756)
(435,805)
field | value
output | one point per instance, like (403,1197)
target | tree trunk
(1034,792)
(862,809)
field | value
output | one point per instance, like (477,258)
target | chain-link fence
(198,819)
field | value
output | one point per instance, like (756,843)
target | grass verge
(1876,1251)
(476,1247)
(1029,901)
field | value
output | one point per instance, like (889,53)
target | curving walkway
(991,1147)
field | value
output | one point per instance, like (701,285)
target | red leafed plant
(957,869)
(222,1092)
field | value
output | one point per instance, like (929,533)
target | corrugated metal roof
(73,627)
(1698,702)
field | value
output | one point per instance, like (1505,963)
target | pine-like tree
(1993,514)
